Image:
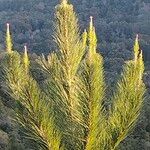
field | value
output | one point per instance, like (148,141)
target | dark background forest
(117,23)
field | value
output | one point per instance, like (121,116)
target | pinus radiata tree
(68,111)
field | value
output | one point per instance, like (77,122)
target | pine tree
(69,112)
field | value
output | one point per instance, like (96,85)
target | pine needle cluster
(69,112)
(8,39)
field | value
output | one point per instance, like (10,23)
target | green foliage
(68,111)
(8,40)
(33,111)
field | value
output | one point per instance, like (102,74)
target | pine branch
(68,113)
(128,100)
(9,43)
(93,92)
(62,86)
(36,116)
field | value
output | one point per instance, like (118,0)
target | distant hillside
(116,22)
